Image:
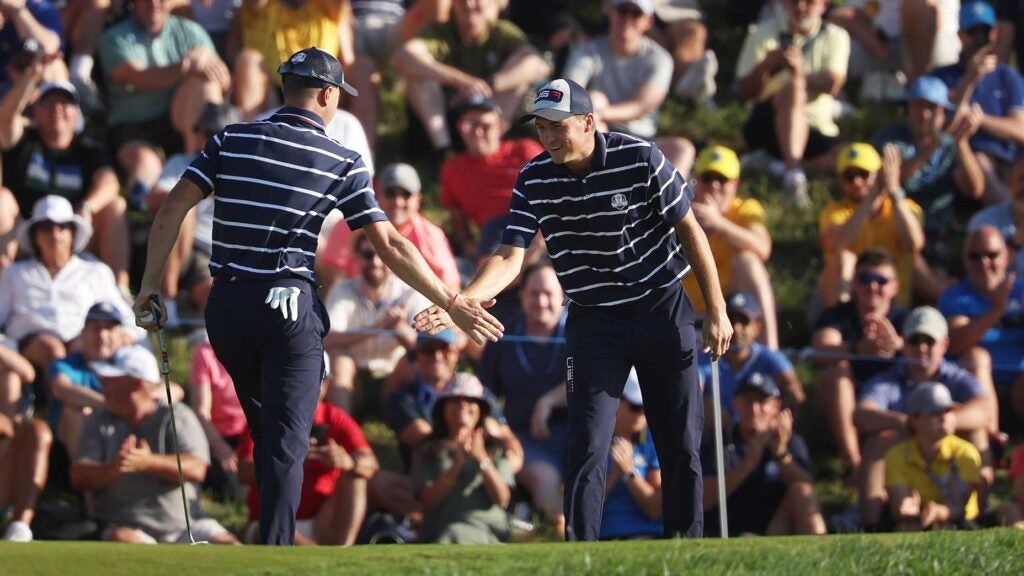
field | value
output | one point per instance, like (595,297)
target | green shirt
(447,47)
(127,41)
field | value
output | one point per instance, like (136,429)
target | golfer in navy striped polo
(615,215)
(273,182)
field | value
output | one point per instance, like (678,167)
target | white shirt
(31,300)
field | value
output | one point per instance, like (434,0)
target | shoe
(88,95)
(18,531)
(794,189)
(761,162)
(845,523)
(698,83)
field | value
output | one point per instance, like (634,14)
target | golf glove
(285,299)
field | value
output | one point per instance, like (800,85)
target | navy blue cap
(319,65)
(760,383)
(977,14)
(742,303)
(558,100)
(477,102)
(104,312)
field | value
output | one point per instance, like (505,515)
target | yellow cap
(719,159)
(858,155)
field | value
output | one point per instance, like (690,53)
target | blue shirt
(934,179)
(889,389)
(999,93)
(77,370)
(1005,340)
(275,181)
(610,233)
(622,518)
(763,363)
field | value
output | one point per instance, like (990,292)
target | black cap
(760,383)
(319,65)
(744,304)
(477,102)
(103,312)
(216,117)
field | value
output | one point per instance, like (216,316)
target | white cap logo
(300,57)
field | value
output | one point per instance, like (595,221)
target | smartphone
(319,434)
(980,36)
(785,40)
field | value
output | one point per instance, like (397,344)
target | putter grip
(154,310)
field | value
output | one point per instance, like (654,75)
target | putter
(723,520)
(165,369)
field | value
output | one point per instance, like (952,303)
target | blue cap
(742,303)
(977,14)
(930,89)
(319,65)
(447,336)
(558,100)
(760,383)
(104,312)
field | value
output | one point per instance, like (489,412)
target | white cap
(631,392)
(133,360)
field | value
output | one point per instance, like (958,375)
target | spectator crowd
(915,360)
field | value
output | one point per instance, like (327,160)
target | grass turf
(983,552)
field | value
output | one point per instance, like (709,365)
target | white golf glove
(285,299)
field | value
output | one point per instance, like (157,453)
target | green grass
(989,552)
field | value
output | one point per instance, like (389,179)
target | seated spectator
(1008,217)
(768,479)
(685,34)
(737,234)
(24,447)
(932,477)
(529,376)
(160,70)
(473,54)
(874,213)
(35,21)
(464,482)
(791,69)
(854,341)
(881,415)
(15,373)
(400,195)
(984,311)
(941,174)
(212,397)
(34,154)
(371,326)
(476,185)
(409,410)
(978,81)
(338,466)
(628,76)
(747,360)
(126,458)
(44,300)
(632,501)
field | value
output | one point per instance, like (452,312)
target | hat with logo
(929,89)
(54,209)
(858,155)
(929,398)
(977,14)
(720,160)
(760,383)
(928,321)
(400,175)
(631,391)
(744,304)
(316,64)
(645,6)
(104,312)
(133,360)
(558,100)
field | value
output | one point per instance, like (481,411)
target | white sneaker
(794,189)
(18,531)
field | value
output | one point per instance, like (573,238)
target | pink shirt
(225,411)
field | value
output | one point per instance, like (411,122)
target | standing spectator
(932,477)
(736,231)
(1008,217)
(476,185)
(854,341)
(980,82)
(984,310)
(212,397)
(881,415)
(371,326)
(768,483)
(791,69)
(126,458)
(628,76)
(632,501)
(464,484)
(473,54)
(50,157)
(874,213)
(24,446)
(686,35)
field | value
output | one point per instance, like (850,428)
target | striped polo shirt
(611,233)
(274,182)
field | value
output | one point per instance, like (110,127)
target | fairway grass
(991,552)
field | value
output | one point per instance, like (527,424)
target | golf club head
(194,543)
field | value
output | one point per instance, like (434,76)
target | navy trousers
(277,366)
(656,336)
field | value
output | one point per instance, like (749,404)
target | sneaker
(18,531)
(698,83)
(794,189)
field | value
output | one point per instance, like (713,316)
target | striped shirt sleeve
(667,188)
(356,198)
(204,169)
(522,223)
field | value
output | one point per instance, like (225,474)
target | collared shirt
(999,93)
(889,390)
(955,467)
(1004,340)
(275,181)
(610,233)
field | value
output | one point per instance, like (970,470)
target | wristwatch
(629,475)
(898,194)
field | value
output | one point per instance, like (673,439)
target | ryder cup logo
(619,201)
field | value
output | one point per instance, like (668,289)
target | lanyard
(553,361)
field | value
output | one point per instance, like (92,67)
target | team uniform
(611,236)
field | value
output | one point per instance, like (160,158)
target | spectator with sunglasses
(874,213)
(1008,217)
(985,315)
(736,231)
(855,340)
(881,416)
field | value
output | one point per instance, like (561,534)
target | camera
(785,40)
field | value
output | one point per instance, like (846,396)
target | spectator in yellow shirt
(873,213)
(738,236)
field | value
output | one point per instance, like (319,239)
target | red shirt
(481,186)
(318,479)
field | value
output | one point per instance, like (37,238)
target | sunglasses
(979,256)
(712,177)
(869,278)
(367,255)
(918,339)
(49,226)
(393,193)
(853,175)
(635,408)
(740,319)
(628,11)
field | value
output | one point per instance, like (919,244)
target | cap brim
(348,88)
(106,370)
(547,114)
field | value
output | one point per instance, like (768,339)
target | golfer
(617,221)
(274,182)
